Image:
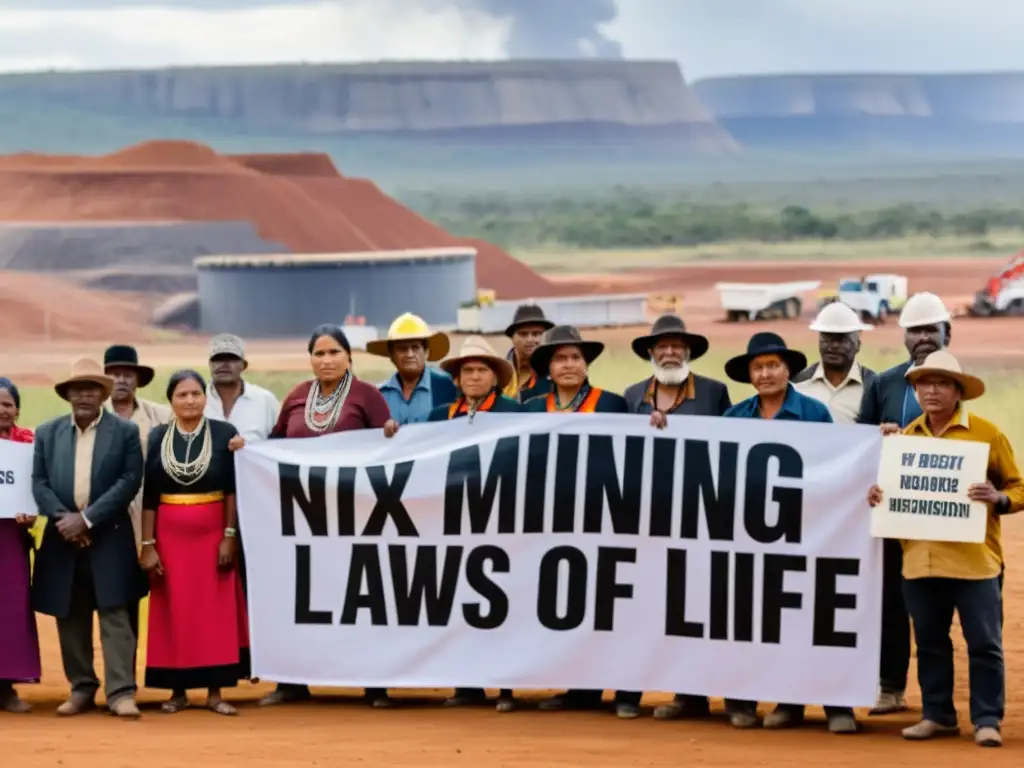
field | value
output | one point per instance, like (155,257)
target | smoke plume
(554,29)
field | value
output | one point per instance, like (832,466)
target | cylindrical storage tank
(287,296)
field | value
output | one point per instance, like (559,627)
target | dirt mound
(299,201)
(315,164)
(42,307)
(167,154)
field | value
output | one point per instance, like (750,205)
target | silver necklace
(189,471)
(329,407)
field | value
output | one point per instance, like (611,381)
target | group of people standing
(140,497)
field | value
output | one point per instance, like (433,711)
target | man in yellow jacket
(941,577)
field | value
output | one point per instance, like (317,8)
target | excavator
(1003,293)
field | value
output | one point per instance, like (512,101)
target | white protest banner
(16,479)
(924,481)
(718,556)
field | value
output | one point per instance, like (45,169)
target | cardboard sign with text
(924,481)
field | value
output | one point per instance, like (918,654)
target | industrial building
(286,296)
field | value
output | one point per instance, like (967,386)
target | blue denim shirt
(796,407)
(435,388)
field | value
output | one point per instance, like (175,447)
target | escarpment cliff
(974,113)
(550,101)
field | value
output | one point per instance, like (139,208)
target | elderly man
(889,399)
(838,380)
(526,330)
(250,408)
(87,469)
(415,389)
(769,365)
(943,576)
(674,388)
(121,364)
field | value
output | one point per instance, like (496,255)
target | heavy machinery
(764,301)
(1004,292)
(873,297)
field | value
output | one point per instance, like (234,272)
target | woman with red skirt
(198,627)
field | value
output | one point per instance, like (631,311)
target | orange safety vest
(587,406)
(462,406)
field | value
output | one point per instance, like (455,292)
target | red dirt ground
(955,280)
(337,731)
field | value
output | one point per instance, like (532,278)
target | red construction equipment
(1004,292)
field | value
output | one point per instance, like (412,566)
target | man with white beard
(673,388)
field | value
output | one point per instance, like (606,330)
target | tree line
(631,219)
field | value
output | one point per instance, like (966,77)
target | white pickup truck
(763,301)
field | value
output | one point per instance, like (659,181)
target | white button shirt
(843,401)
(253,415)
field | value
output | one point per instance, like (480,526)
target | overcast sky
(707,37)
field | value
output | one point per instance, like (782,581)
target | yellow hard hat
(410,327)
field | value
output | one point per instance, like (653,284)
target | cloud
(353,30)
(716,37)
(709,37)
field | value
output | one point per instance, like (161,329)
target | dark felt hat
(562,336)
(528,314)
(764,343)
(125,356)
(670,325)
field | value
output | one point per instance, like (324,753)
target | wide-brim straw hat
(528,314)
(942,363)
(477,348)
(764,343)
(670,325)
(85,370)
(562,336)
(410,327)
(125,356)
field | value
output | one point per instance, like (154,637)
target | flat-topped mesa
(589,99)
(978,113)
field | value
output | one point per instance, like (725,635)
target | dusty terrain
(340,730)
(34,306)
(45,323)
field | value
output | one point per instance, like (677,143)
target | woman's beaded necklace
(189,471)
(329,407)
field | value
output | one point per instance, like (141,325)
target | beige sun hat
(477,348)
(942,363)
(410,327)
(85,370)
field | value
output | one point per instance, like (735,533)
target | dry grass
(567,260)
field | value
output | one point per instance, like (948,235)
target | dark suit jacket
(884,397)
(117,471)
(711,398)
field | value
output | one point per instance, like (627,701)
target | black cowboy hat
(124,356)
(528,314)
(670,325)
(764,343)
(562,336)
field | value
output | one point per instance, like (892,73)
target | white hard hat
(923,309)
(836,317)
